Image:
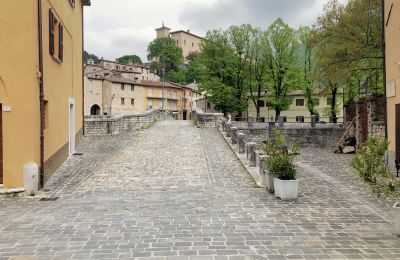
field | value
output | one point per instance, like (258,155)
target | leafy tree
(307,60)
(283,72)
(164,54)
(194,70)
(349,44)
(257,68)
(177,75)
(87,56)
(218,61)
(126,58)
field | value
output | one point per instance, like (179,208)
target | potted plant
(373,170)
(281,172)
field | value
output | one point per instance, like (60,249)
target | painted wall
(392,38)
(295,110)
(19,83)
(19,87)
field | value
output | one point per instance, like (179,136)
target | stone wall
(114,125)
(208,120)
(315,137)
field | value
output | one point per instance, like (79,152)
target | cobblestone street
(179,192)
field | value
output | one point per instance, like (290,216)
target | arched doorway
(95,110)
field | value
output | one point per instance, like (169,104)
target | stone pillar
(281,121)
(241,143)
(251,155)
(261,169)
(250,121)
(234,133)
(228,129)
(271,126)
(313,121)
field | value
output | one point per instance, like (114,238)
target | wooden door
(1,144)
(397,133)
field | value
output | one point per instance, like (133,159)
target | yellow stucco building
(392,39)
(41,85)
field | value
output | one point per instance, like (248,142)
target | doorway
(1,144)
(71,126)
(95,110)
(184,115)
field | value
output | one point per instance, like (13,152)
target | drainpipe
(41,93)
(83,78)
(384,65)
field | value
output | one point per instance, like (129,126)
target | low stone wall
(315,137)
(114,125)
(208,120)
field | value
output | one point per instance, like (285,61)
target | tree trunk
(258,111)
(277,113)
(333,105)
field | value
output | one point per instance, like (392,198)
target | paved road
(178,192)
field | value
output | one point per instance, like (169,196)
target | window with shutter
(51,32)
(61,42)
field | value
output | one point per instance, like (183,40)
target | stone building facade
(189,42)
(298,111)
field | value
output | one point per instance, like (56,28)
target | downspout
(41,94)
(83,77)
(384,66)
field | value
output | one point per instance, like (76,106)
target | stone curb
(253,176)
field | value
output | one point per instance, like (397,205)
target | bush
(281,155)
(282,167)
(371,167)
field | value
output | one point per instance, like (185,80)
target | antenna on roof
(162,23)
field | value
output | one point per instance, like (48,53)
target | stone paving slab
(178,192)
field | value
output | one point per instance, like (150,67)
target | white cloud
(118,27)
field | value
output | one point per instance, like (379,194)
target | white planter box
(286,190)
(396,216)
(269,181)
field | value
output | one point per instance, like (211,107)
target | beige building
(189,42)
(111,95)
(392,39)
(298,111)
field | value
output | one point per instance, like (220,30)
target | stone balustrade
(114,125)
(208,120)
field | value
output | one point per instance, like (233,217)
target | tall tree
(87,56)
(307,62)
(164,55)
(257,68)
(283,72)
(126,58)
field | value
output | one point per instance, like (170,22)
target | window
(300,102)
(143,77)
(184,42)
(72,2)
(260,103)
(300,119)
(56,37)
(132,102)
(285,119)
(122,87)
(132,87)
(122,101)
(208,105)
(192,44)
(177,42)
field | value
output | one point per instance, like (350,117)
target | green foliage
(282,167)
(87,56)
(194,71)
(126,58)
(280,163)
(371,167)
(349,45)
(177,75)
(163,53)
(283,72)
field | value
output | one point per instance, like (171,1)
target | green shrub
(282,167)
(279,161)
(371,167)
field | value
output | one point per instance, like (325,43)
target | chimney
(188,30)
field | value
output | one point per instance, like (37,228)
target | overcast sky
(118,27)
